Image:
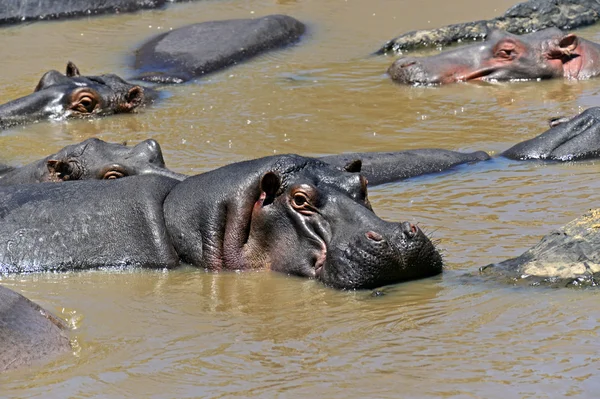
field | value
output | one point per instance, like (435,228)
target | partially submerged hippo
(526,17)
(286,213)
(18,11)
(29,334)
(546,54)
(72,95)
(92,159)
(195,50)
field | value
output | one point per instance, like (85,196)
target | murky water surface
(191,334)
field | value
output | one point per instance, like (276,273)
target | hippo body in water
(546,54)
(72,95)
(287,213)
(529,16)
(19,11)
(92,159)
(195,50)
(28,333)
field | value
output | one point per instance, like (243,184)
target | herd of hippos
(309,217)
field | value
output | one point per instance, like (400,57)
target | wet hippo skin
(92,159)
(546,54)
(195,50)
(286,213)
(28,333)
(59,96)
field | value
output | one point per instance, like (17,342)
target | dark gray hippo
(92,159)
(546,54)
(19,11)
(195,50)
(28,333)
(72,95)
(526,17)
(285,213)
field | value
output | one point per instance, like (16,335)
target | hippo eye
(87,104)
(113,174)
(300,199)
(84,101)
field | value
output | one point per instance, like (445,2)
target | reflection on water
(188,333)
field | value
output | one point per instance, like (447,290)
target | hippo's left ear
(353,166)
(270,184)
(72,70)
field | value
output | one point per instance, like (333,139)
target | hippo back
(28,333)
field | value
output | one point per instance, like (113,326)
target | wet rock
(569,256)
(194,50)
(529,16)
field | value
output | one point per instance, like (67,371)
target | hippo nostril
(371,235)
(407,64)
(409,230)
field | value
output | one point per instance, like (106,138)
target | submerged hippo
(285,213)
(72,95)
(28,333)
(92,159)
(546,54)
(195,50)
(526,17)
(18,11)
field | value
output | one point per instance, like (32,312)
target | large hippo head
(295,215)
(93,159)
(546,54)
(72,95)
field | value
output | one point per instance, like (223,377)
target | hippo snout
(409,70)
(380,256)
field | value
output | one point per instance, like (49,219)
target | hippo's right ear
(58,170)
(133,99)
(270,184)
(72,70)
(353,166)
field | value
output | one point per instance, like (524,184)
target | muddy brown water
(191,334)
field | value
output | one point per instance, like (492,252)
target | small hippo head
(546,54)
(97,159)
(71,95)
(298,216)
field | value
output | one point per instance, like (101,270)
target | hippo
(285,213)
(529,16)
(92,159)
(198,49)
(19,11)
(29,334)
(546,54)
(72,95)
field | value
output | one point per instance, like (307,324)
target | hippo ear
(568,43)
(72,70)
(353,166)
(134,98)
(270,184)
(58,170)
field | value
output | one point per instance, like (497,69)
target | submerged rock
(565,257)
(529,16)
